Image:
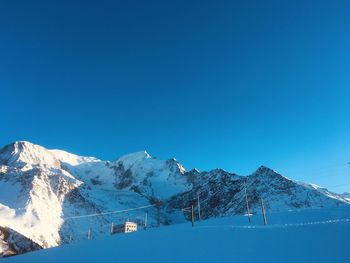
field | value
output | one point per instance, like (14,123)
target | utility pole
(199,207)
(158,217)
(191,210)
(112,228)
(145,221)
(246,200)
(263,211)
(192,215)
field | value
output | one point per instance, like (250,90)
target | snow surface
(319,235)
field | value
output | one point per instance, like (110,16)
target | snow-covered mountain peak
(175,165)
(132,158)
(264,171)
(72,159)
(21,153)
(150,176)
(195,170)
(220,173)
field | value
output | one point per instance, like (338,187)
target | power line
(326,172)
(338,185)
(330,221)
(108,213)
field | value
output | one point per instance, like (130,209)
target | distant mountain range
(45,195)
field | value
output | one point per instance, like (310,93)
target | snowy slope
(45,195)
(219,240)
(34,208)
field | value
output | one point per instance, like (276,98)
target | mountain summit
(21,153)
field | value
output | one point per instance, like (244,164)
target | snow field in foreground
(229,239)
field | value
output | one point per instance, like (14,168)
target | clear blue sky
(230,84)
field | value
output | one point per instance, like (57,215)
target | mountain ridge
(35,181)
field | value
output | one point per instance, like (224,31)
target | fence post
(246,200)
(145,221)
(158,217)
(263,211)
(192,215)
(199,207)
(112,228)
(89,234)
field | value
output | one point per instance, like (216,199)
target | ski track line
(333,221)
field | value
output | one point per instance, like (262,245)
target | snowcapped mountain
(45,194)
(222,193)
(346,196)
(42,190)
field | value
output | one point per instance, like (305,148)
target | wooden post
(145,221)
(89,234)
(192,215)
(158,217)
(199,207)
(112,228)
(246,200)
(263,211)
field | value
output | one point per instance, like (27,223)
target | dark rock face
(123,177)
(218,192)
(14,243)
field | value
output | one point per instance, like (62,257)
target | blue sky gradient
(230,84)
